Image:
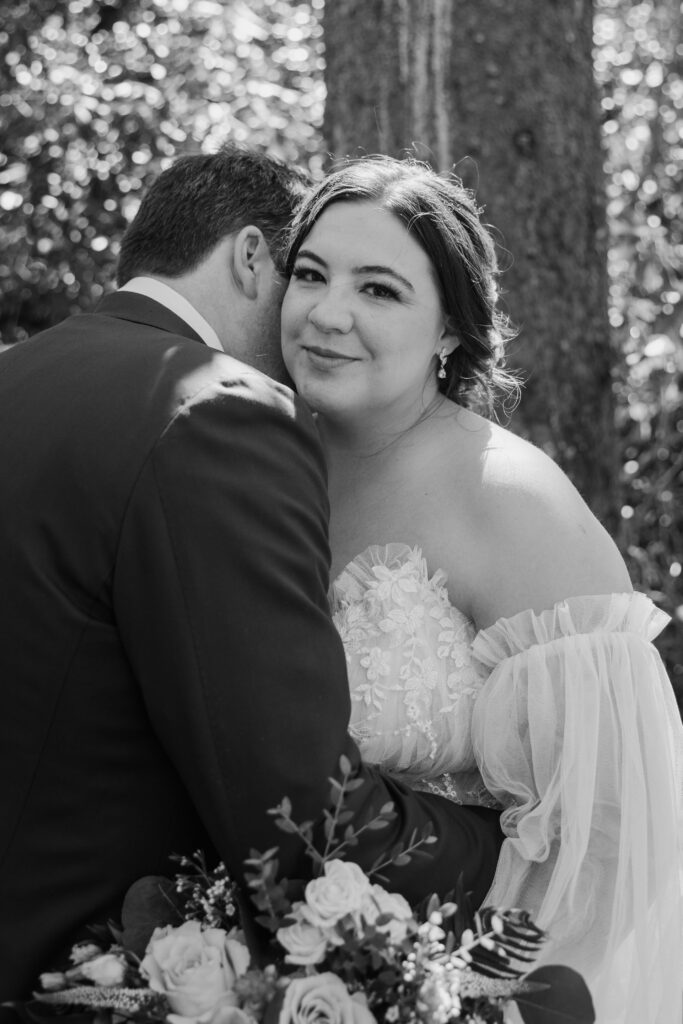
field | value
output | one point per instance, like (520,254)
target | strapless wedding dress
(566,721)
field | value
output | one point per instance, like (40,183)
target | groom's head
(212,227)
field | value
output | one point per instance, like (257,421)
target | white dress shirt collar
(171,299)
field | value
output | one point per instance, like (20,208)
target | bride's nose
(330,313)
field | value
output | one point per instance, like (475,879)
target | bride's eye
(378,290)
(307,274)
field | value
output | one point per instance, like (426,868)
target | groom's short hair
(202,198)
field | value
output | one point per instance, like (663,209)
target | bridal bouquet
(346,952)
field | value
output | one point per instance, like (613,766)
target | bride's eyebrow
(369,269)
(308,255)
(377,269)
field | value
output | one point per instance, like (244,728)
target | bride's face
(362,318)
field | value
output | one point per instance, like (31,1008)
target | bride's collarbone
(389,475)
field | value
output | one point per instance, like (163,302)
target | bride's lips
(327,358)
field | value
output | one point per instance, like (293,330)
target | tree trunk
(503,93)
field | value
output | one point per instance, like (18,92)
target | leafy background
(96,98)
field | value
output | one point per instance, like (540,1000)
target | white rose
(305,943)
(323,999)
(195,969)
(105,970)
(340,891)
(379,902)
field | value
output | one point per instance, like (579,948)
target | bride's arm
(576,732)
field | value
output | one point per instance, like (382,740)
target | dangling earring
(441,372)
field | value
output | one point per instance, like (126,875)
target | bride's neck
(368,438)
(347,441)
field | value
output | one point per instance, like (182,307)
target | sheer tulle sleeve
(577,734)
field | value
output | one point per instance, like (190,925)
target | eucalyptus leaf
(150,903)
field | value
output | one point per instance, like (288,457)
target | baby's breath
(208,896)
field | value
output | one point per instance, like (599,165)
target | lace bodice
(412,675)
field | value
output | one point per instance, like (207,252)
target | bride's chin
(325,411)
(330,406)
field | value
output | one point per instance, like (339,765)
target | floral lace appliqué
(412,676)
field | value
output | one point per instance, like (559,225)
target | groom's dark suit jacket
(168,667)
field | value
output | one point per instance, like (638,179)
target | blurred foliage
(96,97)
(639,64)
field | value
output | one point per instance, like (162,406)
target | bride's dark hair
(443,217)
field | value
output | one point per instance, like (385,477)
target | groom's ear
(250,259)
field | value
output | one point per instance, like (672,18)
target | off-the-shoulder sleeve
(577,734)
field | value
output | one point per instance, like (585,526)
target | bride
(497,653)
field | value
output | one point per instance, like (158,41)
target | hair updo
(442,216)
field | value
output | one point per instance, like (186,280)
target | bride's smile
(327,358)
(362,319)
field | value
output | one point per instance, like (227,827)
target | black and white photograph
(341,512)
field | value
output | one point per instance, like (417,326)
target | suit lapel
(141,310)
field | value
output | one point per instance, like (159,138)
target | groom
(168,667)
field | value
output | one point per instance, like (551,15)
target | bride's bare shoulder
(492,459)
(532,538)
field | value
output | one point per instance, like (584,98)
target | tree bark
(504,94)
